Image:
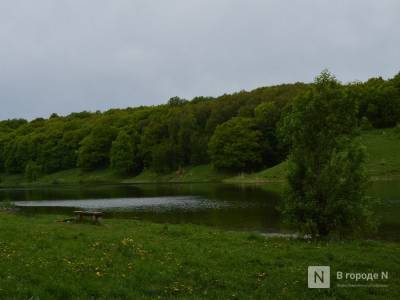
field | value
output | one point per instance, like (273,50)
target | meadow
(41,258)
(382,148)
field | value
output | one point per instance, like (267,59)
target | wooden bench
(94,215)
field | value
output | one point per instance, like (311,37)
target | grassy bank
(40,258)
(275,174)
(383,149)
(203,173)
(72,176)
(383,162)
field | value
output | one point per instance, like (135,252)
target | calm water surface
(226,206)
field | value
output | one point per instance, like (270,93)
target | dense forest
(236,132)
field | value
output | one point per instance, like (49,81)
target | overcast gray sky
(63,56)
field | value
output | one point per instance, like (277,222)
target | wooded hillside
(234,132)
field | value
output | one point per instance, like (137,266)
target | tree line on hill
(236,132)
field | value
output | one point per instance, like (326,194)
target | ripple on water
(177,202)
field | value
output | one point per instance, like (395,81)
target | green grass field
(275,174)
(72,176)
(383,159)
(383,149)
(203,173)
(125,259)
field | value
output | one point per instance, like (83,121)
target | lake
(232,207)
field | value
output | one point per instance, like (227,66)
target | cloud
(63,56)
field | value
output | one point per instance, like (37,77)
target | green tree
(17,154)
(122,154)
(236,145)
(4,140)
(165,157)
(176,101)
(152,135)
(50,152)
(70,143)
(32,171)
(198,150)
(379,101)
(267,115)
(326,193)
(95,148)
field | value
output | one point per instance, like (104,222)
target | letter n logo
(319,277)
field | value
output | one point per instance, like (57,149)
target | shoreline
(247,181)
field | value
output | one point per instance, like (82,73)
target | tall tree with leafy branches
(326,178)
(122,154)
